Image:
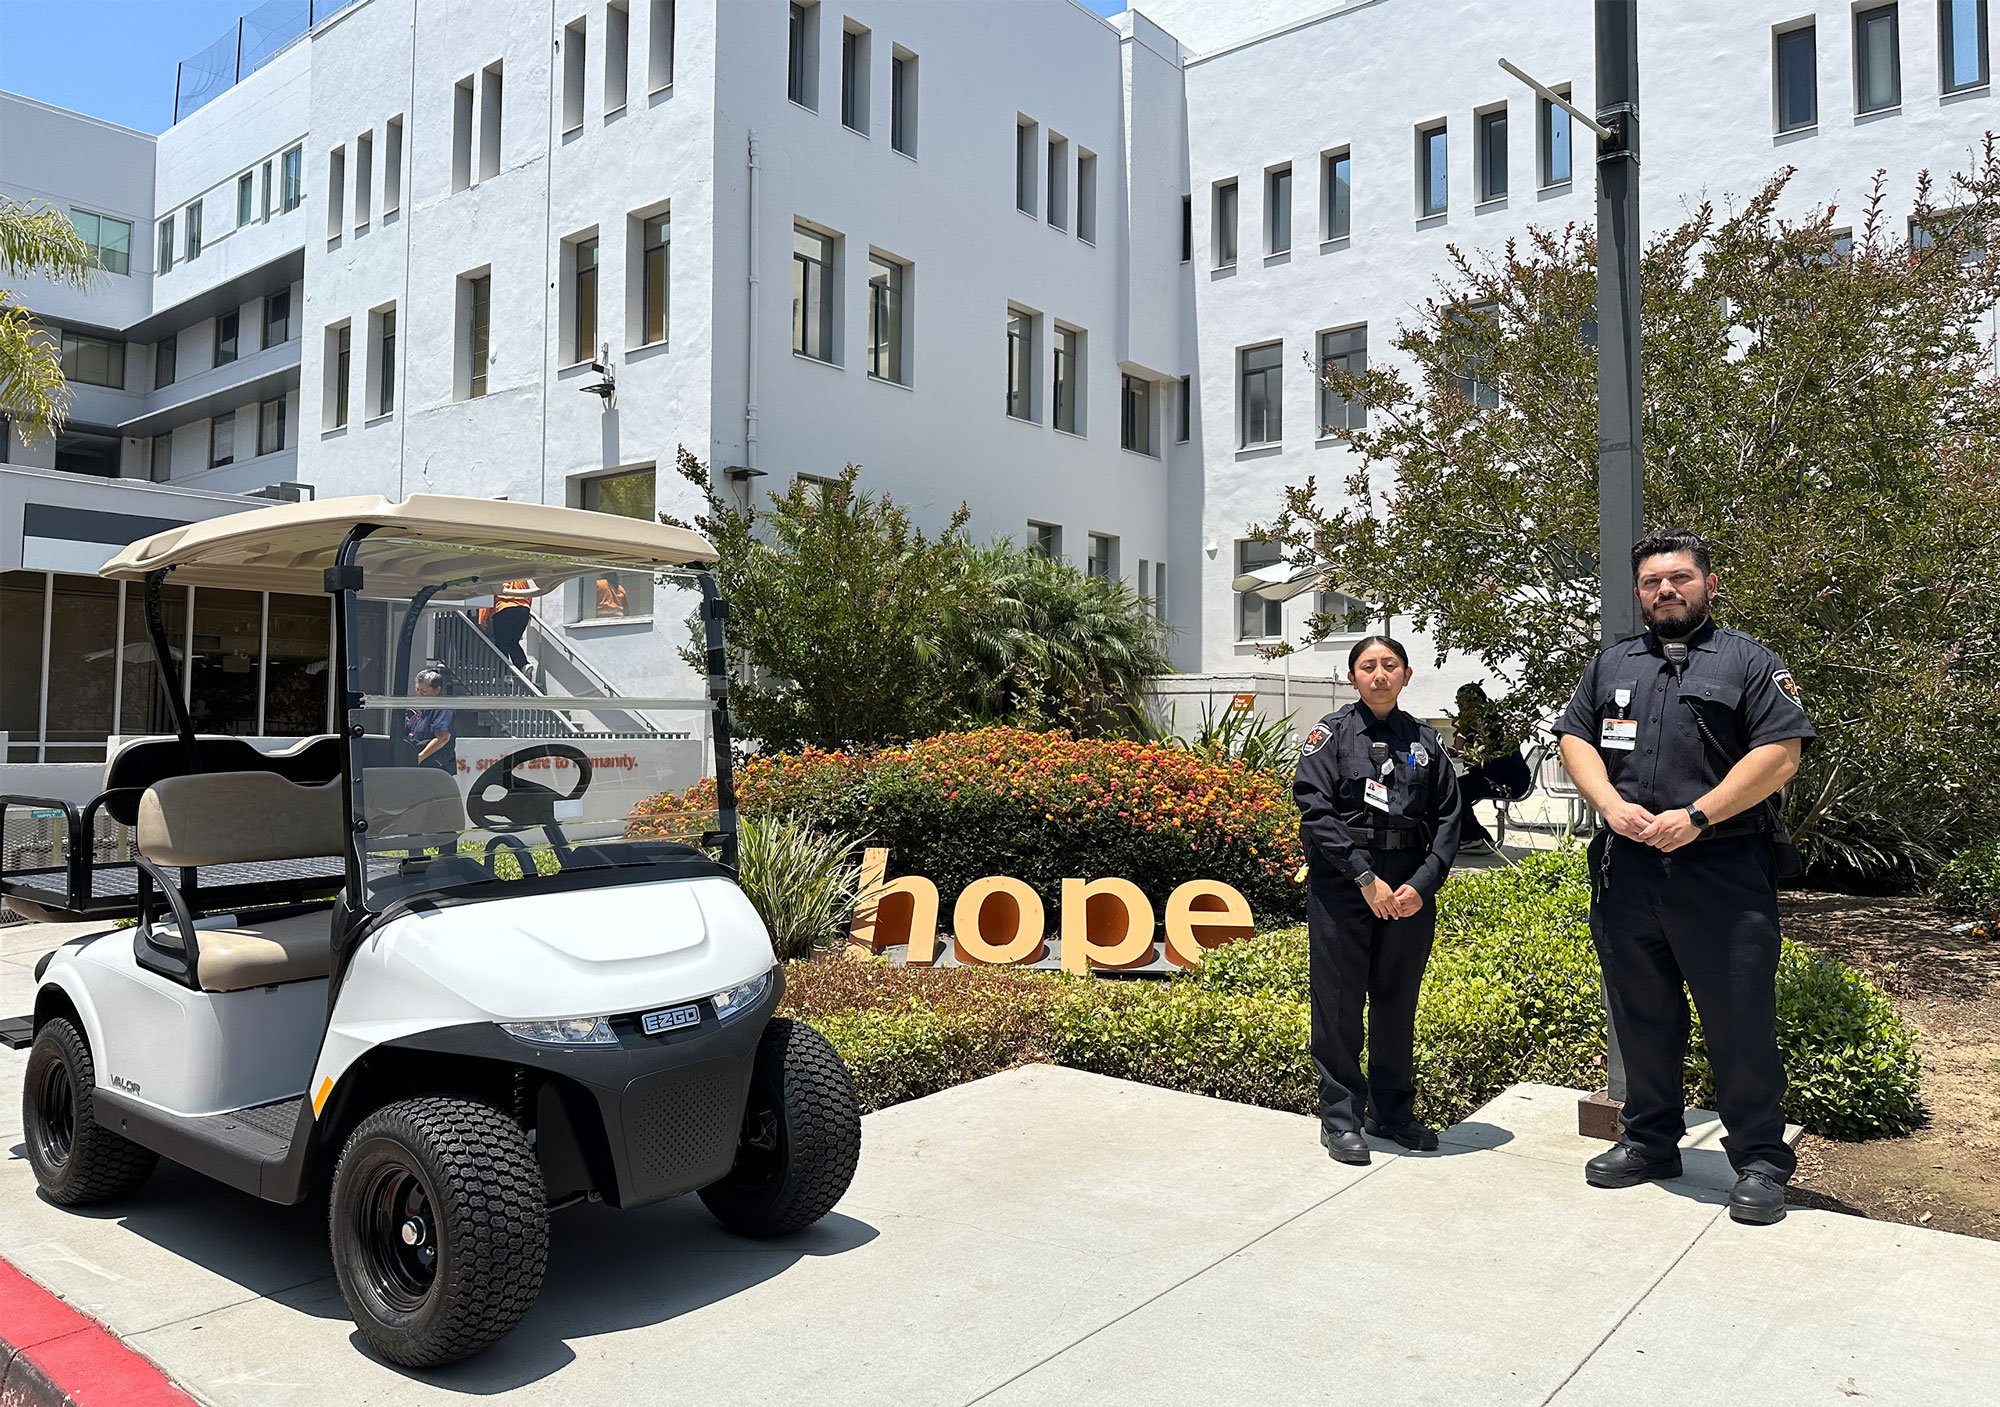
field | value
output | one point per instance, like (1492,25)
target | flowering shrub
(1040,807)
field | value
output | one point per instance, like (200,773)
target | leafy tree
(35,243)
(1827,416)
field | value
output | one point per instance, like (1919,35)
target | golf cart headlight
(577,1030)
(735,999)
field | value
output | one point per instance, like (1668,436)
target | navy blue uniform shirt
(1743,691)
(1331,788)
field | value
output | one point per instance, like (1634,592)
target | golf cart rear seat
(228,818)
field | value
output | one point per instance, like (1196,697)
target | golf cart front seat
(226,818)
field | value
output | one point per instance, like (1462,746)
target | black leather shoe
(1756,1200)
(1412,1135)
(1625,1166)
(1345,1145)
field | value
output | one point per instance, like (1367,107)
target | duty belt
(1387,839)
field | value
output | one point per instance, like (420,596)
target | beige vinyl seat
(228,818)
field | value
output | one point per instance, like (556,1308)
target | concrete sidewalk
(1046,1236)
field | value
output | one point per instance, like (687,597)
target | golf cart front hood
(589,952)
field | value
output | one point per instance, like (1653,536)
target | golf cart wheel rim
(399,1238)
(57,1105)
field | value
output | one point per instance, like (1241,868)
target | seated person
(1495,768)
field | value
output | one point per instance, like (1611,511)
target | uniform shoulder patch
(1315,740)
(1789,687)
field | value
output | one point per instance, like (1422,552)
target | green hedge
(1969,882)
(1511,996)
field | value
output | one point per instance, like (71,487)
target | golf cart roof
(424,539)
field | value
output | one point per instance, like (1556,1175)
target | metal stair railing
(479,670)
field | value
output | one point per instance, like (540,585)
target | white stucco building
(1067,271)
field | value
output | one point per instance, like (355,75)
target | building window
(617,55)
(1263,376)
(1878,60)
(476,295)
(264,206)
(1256,618)
(110,240)
(1552,124)
(226,331)
(1102,561)
(903,101)
(1962,44)
(271,426)
(1795,76)
(812,294)
(1433,171)
(339,369)
(618,595)
(802,57)
(392,167)
(660,47)
(192,249)
(854,78)
(583,301)
(292,184)
(166,259)
(161,467)
(1345,615)
(1058,181)
(492,87)
(1068,361)
(1491,137)
(166,360)
(1476,376)
(1185,408)
(385,362)
(1020,364)
(1339,194)
(1187,228)
(655,260)
(1086,196)
(1278,210)
(1225,224)
(246,199)
(93,361)
(222,440)
(278,318)
(575,54)
(461,135)
(1045,541)
(1025,148)
(1135,414)
(336,191)
(364,181)
(885,318)
(1345,350)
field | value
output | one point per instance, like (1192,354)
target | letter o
(1203,914)
(998,922)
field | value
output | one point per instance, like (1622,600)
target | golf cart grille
(681,1126)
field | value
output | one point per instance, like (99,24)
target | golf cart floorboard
(249,1149)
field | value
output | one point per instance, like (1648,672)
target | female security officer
(1379,816)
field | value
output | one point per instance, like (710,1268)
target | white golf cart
(448,997)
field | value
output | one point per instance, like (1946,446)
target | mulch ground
(1945,975)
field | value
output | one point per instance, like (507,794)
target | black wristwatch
(1700,819)
(1365,878)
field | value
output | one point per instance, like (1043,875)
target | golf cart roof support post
(714,610)
(406,637)
(343,581)
(163,658)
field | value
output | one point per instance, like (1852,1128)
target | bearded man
(1680,738)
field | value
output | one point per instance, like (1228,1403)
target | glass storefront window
(83,637)
(144,710)
(21,604)
(224,673)
(295,667)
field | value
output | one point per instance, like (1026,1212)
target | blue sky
(115,59)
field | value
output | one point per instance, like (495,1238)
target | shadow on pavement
(1472,1136)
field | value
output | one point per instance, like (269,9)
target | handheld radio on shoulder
(1676,652)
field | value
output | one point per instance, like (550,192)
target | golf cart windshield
(485,753)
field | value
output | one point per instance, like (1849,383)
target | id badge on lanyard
(1620,734)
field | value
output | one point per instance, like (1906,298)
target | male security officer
(1678,737)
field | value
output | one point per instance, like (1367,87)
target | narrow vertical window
(226,331)
(575,54)
(278,318)
(392,167)
(491,90)
(292,182)
(222,440)
(583,301)
(166,360)
(246,199)
(1225,225)
(1263,394)
(1878,60)
(1102,559)
(166,256)
(1135,414)
(1045,541)
(1025,152)
(903,101)
(1020,364)
(1086,196)
(461,135)
(264,205)
(802,56)
(385,362)
(1256,618)
(1068,368)
(1058,181)
(1795,76)
(1962,55)
(271,426)
(660,46)
(364,180)
(1553,123)
(1187,228)
(343,369)
(655,257)
(478,297)
(1278,210)
(1345,350)
(1433,171)
(1339,195)
(1472,336)
(193,214)
(1185,408)
(812,294)
(336,191)
(1491,137)
(885,318)
(854,78)
(617,56)
(162,467)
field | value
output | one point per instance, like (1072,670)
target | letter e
(1203,914)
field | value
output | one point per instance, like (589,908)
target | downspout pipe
(750,393)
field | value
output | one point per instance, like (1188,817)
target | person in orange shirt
(610,597)
(512,609)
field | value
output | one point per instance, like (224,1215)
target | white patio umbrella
(1281,582)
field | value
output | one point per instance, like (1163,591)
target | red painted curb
(54,1356)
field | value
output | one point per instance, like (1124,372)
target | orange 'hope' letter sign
(900,911)
(1105,923)
(1204,913)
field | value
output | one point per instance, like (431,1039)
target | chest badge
(1420,754)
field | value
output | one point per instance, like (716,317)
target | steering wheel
(523,803)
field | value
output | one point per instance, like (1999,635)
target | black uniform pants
(1358,958)
(508,625)
(1704,917)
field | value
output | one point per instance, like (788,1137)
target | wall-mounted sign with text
(1107,924)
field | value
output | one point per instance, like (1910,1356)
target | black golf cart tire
(492,1222)
(100,1164)
(819,1144)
